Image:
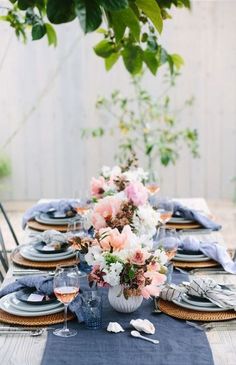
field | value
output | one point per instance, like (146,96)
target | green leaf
(38,31)
(151,61)
(61,11)
(152,11)
(89,14)
(51,34)
(126,18)
(177,60)
(104,48)
(111,60)
(132,57)
(25,4)
(114,5)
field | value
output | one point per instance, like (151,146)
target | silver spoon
(32,333)
(137,334)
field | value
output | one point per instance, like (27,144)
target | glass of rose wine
(66,288)
(164,207)
(168,239)
(153,183)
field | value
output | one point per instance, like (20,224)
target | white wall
(47,95)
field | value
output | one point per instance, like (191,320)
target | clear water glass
(92,309)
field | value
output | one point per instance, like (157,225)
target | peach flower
(107,208)
(137,193)
(115,240)
(97,186)
(139,257)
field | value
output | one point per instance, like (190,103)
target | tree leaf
(152,11)
(104,48)
(61,11)
(114,5)
(177,60)
(150,59)
(51,34)
(132,57)
(89,14)
(126,18)
(111,60)
(25,4)
(38,31)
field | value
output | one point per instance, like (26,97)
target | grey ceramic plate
(180,220)
(5,305)
(33,255)
(45,219)
(183,304)
(199,302)
(191,259)
(19,305)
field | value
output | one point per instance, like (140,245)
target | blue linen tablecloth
(180,344)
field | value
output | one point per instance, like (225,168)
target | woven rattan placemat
(44,227)
(174,310)
(183,225)
(195,265)
(34,321)
(20,260)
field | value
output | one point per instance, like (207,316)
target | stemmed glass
(66,287)
(165,207)
(168,239)
(76,228)
(153,183)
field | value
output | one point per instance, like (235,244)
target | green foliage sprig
(147,126)
(132,27)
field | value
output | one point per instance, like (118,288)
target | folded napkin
(49,237)
(210,249)
(59,205)
(43,285)
(188,213)
(202,287)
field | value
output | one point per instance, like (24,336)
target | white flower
(95,257)
(108,172)
(161,255)
(112,276)
(145,221)
(136,175)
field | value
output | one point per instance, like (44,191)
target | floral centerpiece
(115,179)
(122,262)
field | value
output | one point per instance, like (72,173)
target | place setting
(44,251)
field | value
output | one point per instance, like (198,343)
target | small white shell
(143,325)
(114,327)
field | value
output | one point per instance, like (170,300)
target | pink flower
(115,240)
(106,208)
(139,257)
(150,290)
(137,193)
(97,186)
(153,266)
(155,277)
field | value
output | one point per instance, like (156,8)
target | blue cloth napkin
(59,205)
(190,214)
(210,249)
(42,285)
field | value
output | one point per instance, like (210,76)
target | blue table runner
(180,344)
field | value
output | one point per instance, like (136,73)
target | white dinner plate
(180,220)
(6,306)
(45,219)
(29,255)
(182,255)
(182,303)
(197,303)
(19,305)
(190,259)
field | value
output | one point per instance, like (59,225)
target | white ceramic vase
(120,303)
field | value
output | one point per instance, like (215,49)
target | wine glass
(153,183)
(168,239)
(77,228)
(165,207)
(66,288)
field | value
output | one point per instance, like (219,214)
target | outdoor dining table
(23,349)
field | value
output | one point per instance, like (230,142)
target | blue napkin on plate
(190,214)
(210,249)
(43,285)
(59,205)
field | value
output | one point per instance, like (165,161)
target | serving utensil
(21,331)
(137,334)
